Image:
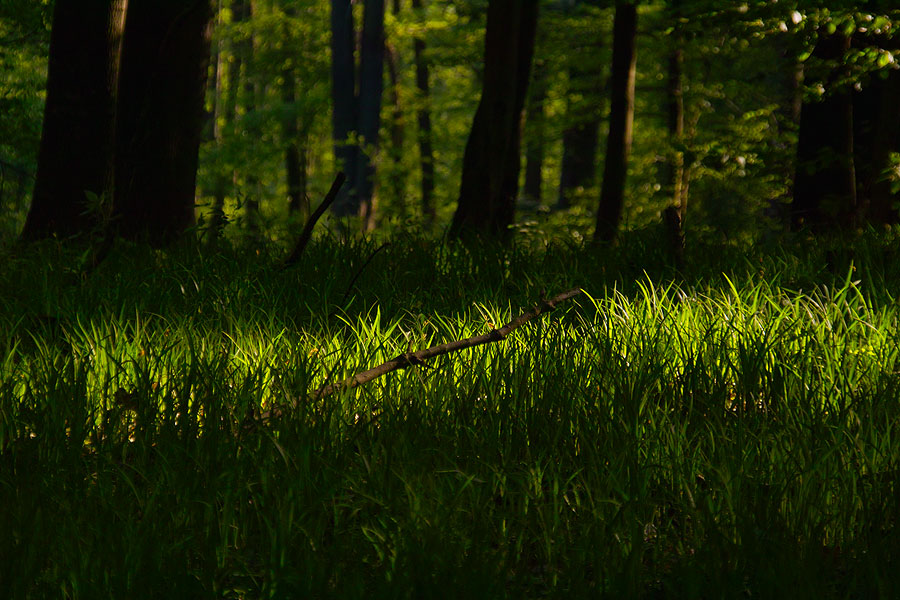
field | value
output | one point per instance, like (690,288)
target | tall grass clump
(728,431)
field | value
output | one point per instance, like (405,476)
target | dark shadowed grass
(731,431)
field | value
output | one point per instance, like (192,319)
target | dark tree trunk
(296,151)
(161,92)
(397,183)
(77,139)
(535,135)
(371,86)
(491,162)
(426,154)
(876,134)
(621,116)
(676,116)
(824,180)
(578,171)
(344,103)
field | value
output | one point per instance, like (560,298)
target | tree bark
(536,136)
(423,117)
(621,117)
(491,161)
(161,94)
(296,151)
(371,86)
(397,182)
(77,139)
(578,168)
(225,113)
(876,134)
(396,188)
(824,180)
(676,115)
(344,103)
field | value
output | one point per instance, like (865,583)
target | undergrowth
(732,430)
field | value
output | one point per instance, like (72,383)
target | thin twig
(306,234)
(361,269)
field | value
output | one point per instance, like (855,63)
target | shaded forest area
(591,116)
(449,299)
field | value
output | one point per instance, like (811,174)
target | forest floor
(728,430)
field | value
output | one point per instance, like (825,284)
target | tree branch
(418,358)
(306,234)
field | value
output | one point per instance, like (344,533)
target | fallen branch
(418,358)
(306,234)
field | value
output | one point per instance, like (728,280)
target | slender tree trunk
(296,152)
(423,117)
(535,129)
(621,116)
(491,161)
(161,94)
(396,186)
(251,96)
(676,115)
(223,111)
(77,139)
(579,160)
(344,104)
(825,181)
(371,86)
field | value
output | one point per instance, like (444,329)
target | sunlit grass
(658,436)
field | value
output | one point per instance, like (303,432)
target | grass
(732,431)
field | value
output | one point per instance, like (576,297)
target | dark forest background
(748,118)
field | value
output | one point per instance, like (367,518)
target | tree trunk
(676,116)
(252,97)
(578,168)
(161,93)
(621,116)
(491,161)
(77,139)
(824,180)
(223,112)
(535,129)
(296,151)
(371,86)
(397,181)
(876,135)
(426,154)
(344,104)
